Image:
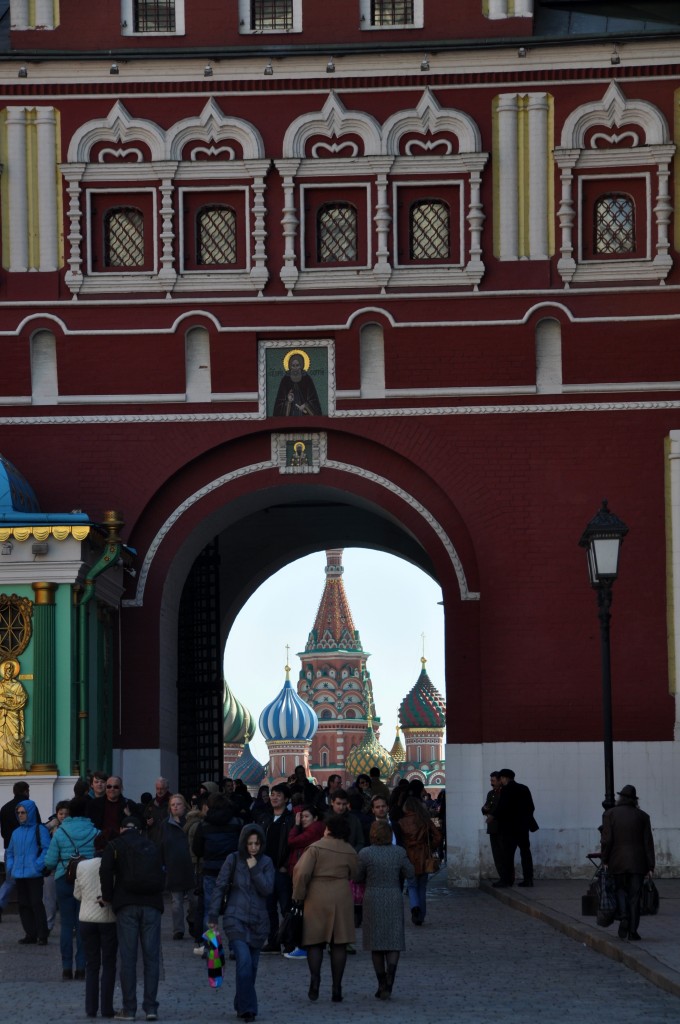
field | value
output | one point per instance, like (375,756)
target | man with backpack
(132,880)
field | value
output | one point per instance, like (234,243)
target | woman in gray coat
(245,880)
(384,868)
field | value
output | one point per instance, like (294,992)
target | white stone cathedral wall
(567,783)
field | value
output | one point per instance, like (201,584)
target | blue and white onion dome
(288,717)
(247,768)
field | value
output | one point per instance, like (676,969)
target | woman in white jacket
(98,932)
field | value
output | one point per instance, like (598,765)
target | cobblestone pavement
(475,960)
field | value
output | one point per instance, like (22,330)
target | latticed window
(124,238)
(391,12)
(614,225)
(336,233)
(271,14)
(154,15)
(216,236)
(429,230)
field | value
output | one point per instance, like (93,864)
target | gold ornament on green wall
(15,625)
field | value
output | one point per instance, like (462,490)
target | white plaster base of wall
(139,769)
(567,784)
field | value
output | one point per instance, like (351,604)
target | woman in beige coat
(321,878)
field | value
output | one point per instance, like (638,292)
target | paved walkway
(558,903)
(476,959)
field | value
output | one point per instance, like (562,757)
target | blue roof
(19,505)
(288,717)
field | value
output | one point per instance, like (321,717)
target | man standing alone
(628,852)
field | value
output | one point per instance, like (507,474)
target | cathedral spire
(333,628)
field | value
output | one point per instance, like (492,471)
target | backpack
(142,866)
(73,861)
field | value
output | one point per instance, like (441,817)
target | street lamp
(602,539)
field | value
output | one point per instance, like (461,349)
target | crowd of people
(336,858)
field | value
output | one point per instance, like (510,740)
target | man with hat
(514,813)
(628,852)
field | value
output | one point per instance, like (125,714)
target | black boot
(391,973)
(314,982)
(382,992)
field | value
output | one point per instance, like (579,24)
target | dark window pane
(614,225)
(429,230)
(337,233)
(216,235)
(124,238)
(154,15)
(271,14)
(392,12)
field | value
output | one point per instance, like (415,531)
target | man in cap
(628,852)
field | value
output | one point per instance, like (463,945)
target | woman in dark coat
(247,877)
(420,838)
(384,867)
(321,878)
(179,867)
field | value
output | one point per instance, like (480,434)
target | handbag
(649,898)
(73,861)
(432,862)
(290,931)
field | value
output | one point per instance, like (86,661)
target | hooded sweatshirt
(25,856)
(246,888)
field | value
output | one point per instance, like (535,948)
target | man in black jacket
(277,822)
(628,851)
(514,814)
(132,878)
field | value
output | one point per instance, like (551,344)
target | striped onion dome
(423,707)
(288,717)
(397,753)
(370,754)
(239,724)
(247,768)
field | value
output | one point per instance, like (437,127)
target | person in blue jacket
(25,860)
(75,836)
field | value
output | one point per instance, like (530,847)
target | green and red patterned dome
(239,725)
(423,707)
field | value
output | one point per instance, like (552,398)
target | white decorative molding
(219,137)
(237,474)
(428,117)
(515,110)
(333,121)
(575,155)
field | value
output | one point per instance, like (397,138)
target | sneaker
(296,954)
(124,1015)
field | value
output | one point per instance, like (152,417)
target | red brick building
(281,276)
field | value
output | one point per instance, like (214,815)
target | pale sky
(393,603)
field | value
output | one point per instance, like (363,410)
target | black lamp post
(602,539)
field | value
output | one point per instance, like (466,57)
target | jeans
(209,883)
(69,908)
(139,924)
(417,893)
(101,946)
(247,958)
(50,899)
(177,900)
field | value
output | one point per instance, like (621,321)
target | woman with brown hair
(420,838)
(321,878)
(384,868)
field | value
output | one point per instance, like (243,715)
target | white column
(524,8)
(167,269)
(74,274)
(17,168)
(290,223)
(44,13)
(538,175)
(382,220)
(46,123)
(18,10)
(509,176)
(259,273)
(566,264)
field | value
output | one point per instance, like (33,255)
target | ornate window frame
(578,152)
(373,153)
(194,150)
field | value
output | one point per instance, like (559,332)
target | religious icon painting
(297,379)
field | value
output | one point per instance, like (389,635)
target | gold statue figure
(13,700)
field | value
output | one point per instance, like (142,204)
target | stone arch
(117,127)
(213,125)
(429,117)
(614,110)
(332,120)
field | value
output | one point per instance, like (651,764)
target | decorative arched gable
(429,118)
(611,143)
(120,154)
(332,121)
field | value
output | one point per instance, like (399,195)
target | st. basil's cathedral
(330,723)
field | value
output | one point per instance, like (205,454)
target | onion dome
(16,494)
(288,717)
(247,768)
(370,754)
(423,707)
(239,724)
(397,753)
